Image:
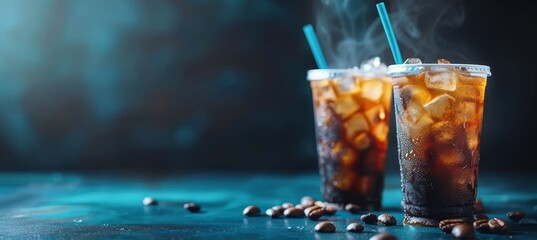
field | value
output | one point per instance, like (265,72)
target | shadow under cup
(352,109)
(438,111)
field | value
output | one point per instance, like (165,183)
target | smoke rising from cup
(350,31)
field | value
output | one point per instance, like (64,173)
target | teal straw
(315,47)
(389,33)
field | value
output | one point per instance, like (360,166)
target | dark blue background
(189,85)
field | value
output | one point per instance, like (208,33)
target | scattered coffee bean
(325,227)
(149,201)
(383,236)
(308,210)
(478,206)
(369,218)
(192,207)
(355,227)
(330,210)
(516,216)
(287,205)
(273,213)
(463,231)
(386,220)
(482,225)
(480,216)
(497,225)
(279,209)
(251,211)
(319,203)
(447,225)
(293,212)
(353,208)
(307,201)
(316,214)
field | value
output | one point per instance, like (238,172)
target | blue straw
(389,33)
(315,47)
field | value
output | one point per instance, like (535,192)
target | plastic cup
(438,110)
(352,109)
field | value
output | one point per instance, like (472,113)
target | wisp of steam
(350,31)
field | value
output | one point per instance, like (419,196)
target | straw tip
(307,27)
(381,4)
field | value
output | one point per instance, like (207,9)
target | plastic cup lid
(398,70)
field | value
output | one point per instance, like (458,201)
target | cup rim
(395,70)
(324,74)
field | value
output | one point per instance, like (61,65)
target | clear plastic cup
(352,109)
(439,111)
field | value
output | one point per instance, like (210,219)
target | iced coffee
(351,109)
(438,110)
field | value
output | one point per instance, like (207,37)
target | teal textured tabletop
(109,206)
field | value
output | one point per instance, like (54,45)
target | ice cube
(356,124)
(371,90)
(375,115)
(412,61)
(468,92)
(467,110)
(362,141)
(344,153)
(414,93)
(472,138)
(373,64)
(324,90)
(450,157)
(344,179)
(346,84)
(446,81)
(416,130)
(414,111)
(443,61)
(346,106)
(443,132)
(387,96)
(471,80)
(380,131)
(439,105)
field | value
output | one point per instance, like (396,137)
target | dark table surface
(109,206)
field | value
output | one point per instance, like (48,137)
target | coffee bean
(497,225)
(353,208)
(325,227)
(316,214)
(463,231)
(287,205)
(355,227)
(386,220)
(383,236)
(319,203)
(273,213)
(251,211)
(307,201)
(293,212)
(447,225)
(516,216)
(330,210)
(369,218)
(482,225)
(278,208)
(192,207)
(308,210)
(480,216)
(478,206)
(149,201)
(300,206)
